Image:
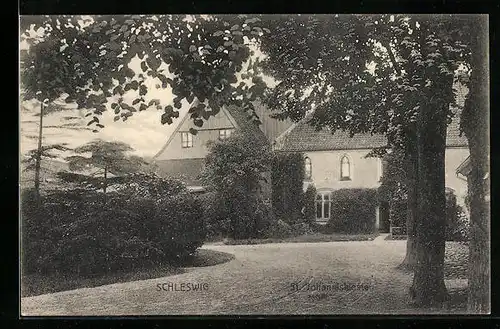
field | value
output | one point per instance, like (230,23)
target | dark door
(384,223)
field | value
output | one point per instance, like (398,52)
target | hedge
(309,204)
(352,211)
(457,224)
(398,214)
(235,217)
(287,178)
(72,231)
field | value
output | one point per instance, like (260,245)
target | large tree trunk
(105,184)
(428,281)
(476,128)
(39,155)
(411,173)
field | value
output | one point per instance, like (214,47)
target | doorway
(384,222)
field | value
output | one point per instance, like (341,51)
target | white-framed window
(186,140)
(345,168)
(307,168)
(224,133)
(323,202)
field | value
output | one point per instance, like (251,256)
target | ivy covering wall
(287,178)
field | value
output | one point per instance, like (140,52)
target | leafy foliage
(150,185)
(234,171)
(107,157)
(353,211)
(279,229)
(46,151)
(73,232)
(309,203)
(457,223)
(287,178)
(365,73)
(235,165)
(90,63)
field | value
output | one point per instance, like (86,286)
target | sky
(143,131)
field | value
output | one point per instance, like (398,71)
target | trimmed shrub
(279,229)
(309,204)
(353,211)
(214,220)
(250,218)
(150,185)
(234,170)
(397,214)
(457,223)
(287,178)
(74,231)
(302,229)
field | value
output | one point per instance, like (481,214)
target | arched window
(323,206)
(307,168)
(345,168)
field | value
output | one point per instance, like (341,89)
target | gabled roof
(247,125)
(238,118)
(177,129)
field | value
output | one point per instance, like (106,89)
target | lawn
(38,284)
(258,281)
(316,237)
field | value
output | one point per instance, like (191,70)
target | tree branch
(392,57)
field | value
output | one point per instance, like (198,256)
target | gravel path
(354,277)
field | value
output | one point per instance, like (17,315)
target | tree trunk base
(436,299)
(406,266)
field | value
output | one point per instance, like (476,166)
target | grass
(316,237)
(39,284)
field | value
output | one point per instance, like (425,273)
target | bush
(353,211)
(75,232)
(302,229)
(234,170)
(250,217)
(457,223)
(287,178)
(215,222)
(279,229)
(150,185)
(397,215)
(309,204)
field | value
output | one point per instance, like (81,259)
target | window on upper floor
(224,133)
(345,168)
(186,140)
(307,168)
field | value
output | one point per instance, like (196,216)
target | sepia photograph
(254,164)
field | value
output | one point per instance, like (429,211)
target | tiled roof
(304,137)
(248,126)
(453,137)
